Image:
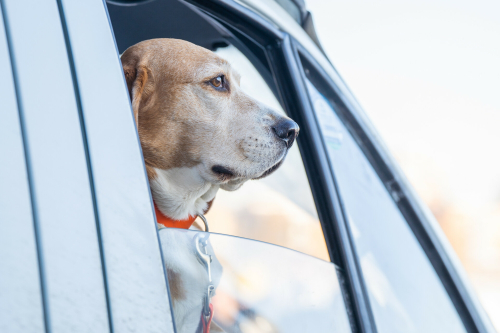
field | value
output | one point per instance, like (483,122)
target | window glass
(259,287)
(404,290)
(278,209)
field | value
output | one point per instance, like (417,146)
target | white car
(336,241)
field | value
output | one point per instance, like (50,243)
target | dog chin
(270,170)
(273,168)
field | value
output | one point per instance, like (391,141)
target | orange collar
(169,223)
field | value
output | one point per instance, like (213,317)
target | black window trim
(400,191)
(335,227)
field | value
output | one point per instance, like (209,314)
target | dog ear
(140,87)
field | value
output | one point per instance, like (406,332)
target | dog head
(196,126)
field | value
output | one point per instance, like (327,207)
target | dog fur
(196,138)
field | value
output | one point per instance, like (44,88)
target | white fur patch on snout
(181,192)
(262,150)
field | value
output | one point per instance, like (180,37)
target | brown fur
(159,104)
(176,110)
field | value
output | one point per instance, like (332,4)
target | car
(335,241)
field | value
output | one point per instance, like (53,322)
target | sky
(428,75)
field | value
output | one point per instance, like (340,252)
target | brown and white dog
(199,133)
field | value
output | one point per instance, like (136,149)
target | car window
(405,292)
(259,287)
(278,209)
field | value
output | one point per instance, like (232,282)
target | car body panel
(71,271)
(20,289)
(137,287)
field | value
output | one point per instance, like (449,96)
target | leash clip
(201,245)
(206,305)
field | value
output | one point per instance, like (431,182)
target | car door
(79,249)
(57,209)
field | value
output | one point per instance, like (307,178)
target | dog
(199,133)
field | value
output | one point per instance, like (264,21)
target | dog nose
(287,130)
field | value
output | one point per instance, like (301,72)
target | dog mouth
(270,170)
(223,173)
(273,168)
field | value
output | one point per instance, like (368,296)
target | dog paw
(160,226)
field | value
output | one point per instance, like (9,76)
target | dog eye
(217,81)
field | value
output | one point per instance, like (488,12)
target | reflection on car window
(278,209)
(404,290)
(259,287)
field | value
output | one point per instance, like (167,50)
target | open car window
(279,208)
(259,286)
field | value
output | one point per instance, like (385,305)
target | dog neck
(181,193)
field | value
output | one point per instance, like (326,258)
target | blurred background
(428,75)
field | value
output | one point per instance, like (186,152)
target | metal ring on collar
(204,222)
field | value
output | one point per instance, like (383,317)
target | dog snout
(286,130)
